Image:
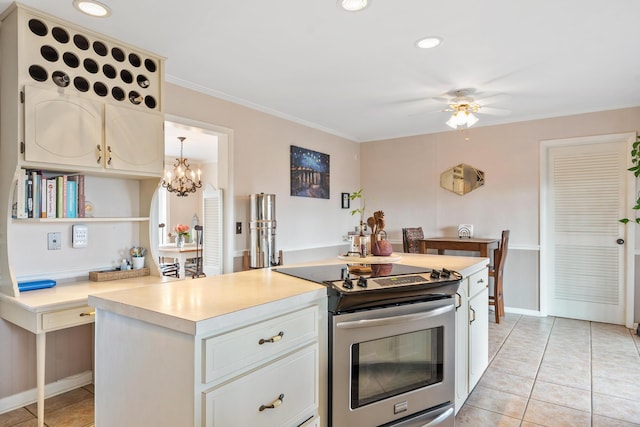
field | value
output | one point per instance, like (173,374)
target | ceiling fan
(463,107)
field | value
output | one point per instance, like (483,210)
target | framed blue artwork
(309,173)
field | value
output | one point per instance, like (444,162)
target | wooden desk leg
(484,253)
(423,247)
(41,344)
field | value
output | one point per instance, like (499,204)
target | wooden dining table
(182,254)
(473,244)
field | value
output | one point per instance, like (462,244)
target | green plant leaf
(624,220)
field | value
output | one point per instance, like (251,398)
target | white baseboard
(28,397)
(523,311)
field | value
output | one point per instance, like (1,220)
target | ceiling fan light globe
(471,120)
(452,122)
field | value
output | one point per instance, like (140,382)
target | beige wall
(261,165)
(401,177)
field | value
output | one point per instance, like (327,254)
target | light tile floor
(557,372)
(71,409)
(542,372)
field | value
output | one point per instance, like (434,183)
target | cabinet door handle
(274,338)
(273,404)
(459,301)
(480,281)
(99,154)
(474,315)
(90,313)
(109,154)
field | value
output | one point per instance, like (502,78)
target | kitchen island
(246,348)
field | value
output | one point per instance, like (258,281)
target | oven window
(394,365)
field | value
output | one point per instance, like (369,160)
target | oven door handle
(439,419)
(383,321)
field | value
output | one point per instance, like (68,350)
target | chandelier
(463,115)
(183,180)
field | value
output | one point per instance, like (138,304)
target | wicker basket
(103,276)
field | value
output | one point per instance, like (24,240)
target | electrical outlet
(54,241)
(238,228)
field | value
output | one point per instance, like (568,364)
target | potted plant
(137,256)
(635,169)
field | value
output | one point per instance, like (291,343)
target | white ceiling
(199,146)
(358,75)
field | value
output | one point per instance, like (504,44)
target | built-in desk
(474,244)
(63,306)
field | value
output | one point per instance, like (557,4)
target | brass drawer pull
(274,338)
(90,313)
(474,315)
(273,405)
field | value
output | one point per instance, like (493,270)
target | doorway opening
(208,148)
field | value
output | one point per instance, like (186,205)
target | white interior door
(212,237)
(586,190)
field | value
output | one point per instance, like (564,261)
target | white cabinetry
(80,133)
(260,371)
(472,333)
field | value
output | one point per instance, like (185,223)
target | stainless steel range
(391,343)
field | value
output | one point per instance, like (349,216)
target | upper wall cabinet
(88,135)
(86,102)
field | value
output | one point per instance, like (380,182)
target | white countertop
(183,305)
(72,293)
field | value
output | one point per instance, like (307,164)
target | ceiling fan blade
(492,99)
(492,111)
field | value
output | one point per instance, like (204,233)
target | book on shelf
(81,196)
(42,194)
(52,197)
(71,198)
(29,197)
(21,196)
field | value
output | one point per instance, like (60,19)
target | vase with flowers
(183,234)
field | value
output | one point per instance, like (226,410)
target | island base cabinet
(143,374)
(478,336)
(280,394)
(472,334)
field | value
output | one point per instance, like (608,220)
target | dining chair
(499,257)
(167,266)
(196,270)
(411,237)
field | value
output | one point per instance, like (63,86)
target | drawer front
(61,319)
(289,385)
(478,281)
(231,353)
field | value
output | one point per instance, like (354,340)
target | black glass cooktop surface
(330,273)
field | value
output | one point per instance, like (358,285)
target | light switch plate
(54,241)
(80,238)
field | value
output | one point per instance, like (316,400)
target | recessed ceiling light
(92,8)
(428,42)
(353,5)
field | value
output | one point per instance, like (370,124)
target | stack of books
(39,194)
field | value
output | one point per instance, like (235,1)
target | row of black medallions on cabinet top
(90,65)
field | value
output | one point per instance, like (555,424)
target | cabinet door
(462,346)
(62,129)
(134,140)
(253,400)
(478,336)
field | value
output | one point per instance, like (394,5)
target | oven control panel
(354,283)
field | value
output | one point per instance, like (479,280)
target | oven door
(389,363)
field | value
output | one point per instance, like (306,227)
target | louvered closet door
(586,198)
(212,255)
